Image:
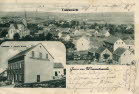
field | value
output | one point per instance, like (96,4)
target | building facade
(58,70)
(113,43)
(82,44)
(123,56)
(102,54)
(34,64)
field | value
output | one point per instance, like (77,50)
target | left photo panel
(33,64)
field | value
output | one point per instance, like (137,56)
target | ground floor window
(56,74)
(38,78)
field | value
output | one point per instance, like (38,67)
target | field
(109,17)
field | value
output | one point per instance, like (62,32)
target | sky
(56,49)
(56,5)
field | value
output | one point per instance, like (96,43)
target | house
(65,37)
(18,28)
(102,54)
(94,32)
(82,43)
(3,74)
(78,32)
(103,33)
(92,52)
(58,70)
(95,43)
(86,42)
(112,43)
(129,44)
(34,64)
(122,56)
(59,34)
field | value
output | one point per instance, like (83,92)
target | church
(18,30)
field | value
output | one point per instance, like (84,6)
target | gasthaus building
(34,64)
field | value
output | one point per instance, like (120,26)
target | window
(20,65)
(15,66)
(33,54)
(46,56)
(56,74)
(38,78)
(11,66)
(40,55)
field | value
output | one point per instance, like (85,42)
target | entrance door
(38,78)
(56,74)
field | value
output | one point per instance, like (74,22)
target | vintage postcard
(69,46)
(33,64)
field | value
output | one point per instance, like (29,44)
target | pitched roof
(3,72)
(79,37)
(129,42)
(22,53)
(92,50)
(80,52)
(112,39)
(25,51)
(119,51)
(103,32)
(100,49)
(58,65)
(95,42)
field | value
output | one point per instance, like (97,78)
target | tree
(106,56)
(16,36)
(28,38)
(69,44)
(3,33)
(49,36)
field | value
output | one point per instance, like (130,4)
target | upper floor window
(46,56)
(9,66)
(33,54)
(20,65)
(40,55)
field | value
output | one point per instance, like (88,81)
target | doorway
(38,78)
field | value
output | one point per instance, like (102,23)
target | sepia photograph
(90,38)
(33,65)
(68,46)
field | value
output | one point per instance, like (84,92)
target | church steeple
(24,21)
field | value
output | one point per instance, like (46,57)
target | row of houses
(112,49)
(34,64)
(67,34)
